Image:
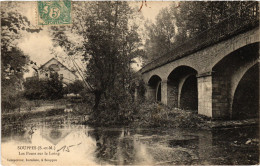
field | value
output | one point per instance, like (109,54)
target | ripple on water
(119,146)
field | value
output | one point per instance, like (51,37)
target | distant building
(54,66)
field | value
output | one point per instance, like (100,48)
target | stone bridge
(216,73)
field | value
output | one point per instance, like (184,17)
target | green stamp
(54,12)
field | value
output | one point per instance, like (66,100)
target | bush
(43,89)
(87,97)
(35,89)
(152,114)
(76,87)
(54,87)
(11,102)
(141,90)
(114,110)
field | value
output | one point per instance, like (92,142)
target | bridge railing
(242,20)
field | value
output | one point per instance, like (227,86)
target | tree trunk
(97,101)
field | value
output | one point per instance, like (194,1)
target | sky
(38,45)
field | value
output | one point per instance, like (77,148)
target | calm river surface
(61,141)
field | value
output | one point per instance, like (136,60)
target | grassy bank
(17,117)
(152,114)
(44,108)
(143,114)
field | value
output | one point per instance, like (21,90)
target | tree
(34,89)
(13,24)
(54,87)
(176,24)
(160,35)
(75,87)
(195,17)
(13,60)
(44,89)
(109,45)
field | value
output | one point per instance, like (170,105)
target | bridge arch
(227,74)
(154,88)
(230,46)
(182,88)
(245,103)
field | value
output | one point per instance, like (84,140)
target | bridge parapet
(239,22)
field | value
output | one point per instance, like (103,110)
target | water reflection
(79,144)
(118,146)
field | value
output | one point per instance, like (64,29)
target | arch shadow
(182,88)
(246,97)
(154,84)
(227,74)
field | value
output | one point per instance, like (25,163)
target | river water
(59,140)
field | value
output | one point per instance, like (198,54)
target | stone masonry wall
(205,95)
(172,93)
(203,61)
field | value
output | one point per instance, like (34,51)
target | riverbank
(42,105)
(157,115)
(44,108)
(147,115)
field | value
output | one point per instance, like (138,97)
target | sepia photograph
(87,83)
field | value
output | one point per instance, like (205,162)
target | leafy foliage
(161,34)
(54,87)
(109,45)
(151,114)
(179,23)
(44,89)
(195,17)
(13,60)
(75,87)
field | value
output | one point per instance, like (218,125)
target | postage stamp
(54,12)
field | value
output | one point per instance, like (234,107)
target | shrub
(141,90)
(43,89)
(35,89)
(152,114)
(115,109)
(11,102)
(76,87)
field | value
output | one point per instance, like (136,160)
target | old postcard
(129,83)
